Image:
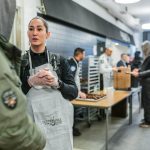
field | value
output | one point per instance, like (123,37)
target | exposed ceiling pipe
(120,12)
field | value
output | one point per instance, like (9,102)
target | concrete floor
(122,136)
(131,138)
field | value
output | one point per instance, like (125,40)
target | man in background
(124,61)
(106,68)
(79,55)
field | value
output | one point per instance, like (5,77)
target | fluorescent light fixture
(116,44)
(126,1)
(146,26)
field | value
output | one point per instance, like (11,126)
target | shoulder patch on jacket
(73,68)
(9,99)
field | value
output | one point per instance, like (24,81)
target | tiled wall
(65,39)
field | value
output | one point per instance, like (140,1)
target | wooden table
(112,98)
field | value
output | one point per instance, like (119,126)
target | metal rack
(90,75)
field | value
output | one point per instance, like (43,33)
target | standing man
(79,55)
(106,67)
(124,60)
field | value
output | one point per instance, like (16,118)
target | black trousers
(146,103)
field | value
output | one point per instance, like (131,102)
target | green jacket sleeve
(17,131)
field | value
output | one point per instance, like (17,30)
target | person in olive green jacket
(17,131)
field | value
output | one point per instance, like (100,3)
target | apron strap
(30,63)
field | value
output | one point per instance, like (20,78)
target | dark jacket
(121,64)
(68,87)
(73,66)
(145,71)
(144,75)
(136,63)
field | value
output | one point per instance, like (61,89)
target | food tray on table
(92,97)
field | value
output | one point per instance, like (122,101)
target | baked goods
(95,96)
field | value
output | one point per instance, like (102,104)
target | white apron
(107,79)
(77,78)
(52,113)
(106,70)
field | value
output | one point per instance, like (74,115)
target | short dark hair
(78,51)
(43,20)
(123,54)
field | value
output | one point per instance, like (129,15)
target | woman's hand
(135,72)
(51,79)
(43,78)
(35,80)
(42,73)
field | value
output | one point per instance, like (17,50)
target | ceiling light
(127,1)
(146,26)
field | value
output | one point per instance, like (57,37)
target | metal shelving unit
(90,74)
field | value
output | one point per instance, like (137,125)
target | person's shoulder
(3,62)
(148,57)
(25,54)
(64,63)
(62,58)
(71,61)
(102,59)
(120,61)
(102,56)
(25,59)
(54,55)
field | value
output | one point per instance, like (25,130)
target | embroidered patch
(73,68)
(101,61)
(9,99)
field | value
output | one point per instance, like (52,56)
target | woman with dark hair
(49,85)
(144,76)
